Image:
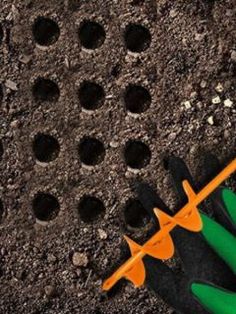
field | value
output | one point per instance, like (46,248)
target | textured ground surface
(162,94)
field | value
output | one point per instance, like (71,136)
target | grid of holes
(91,95)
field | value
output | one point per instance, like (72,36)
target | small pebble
(226,134)
(193,95)
(228,103)
(80,259)
(199,37)
(14,124)
(102,234)
(210,120)
(109,97)
(172,136)
(11,85)
(203,84)
(187,104)
(173,13)
(219,88)
(24,59)
(216,100)
(114,144)
(233,55)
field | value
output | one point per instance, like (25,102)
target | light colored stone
(210,120)
(187,104)
(193,95)
(11,85)
(228,103)
(233,55)
(14,124)
(114,144)
(203,84)
(102,234)
(80,259)
(173,13)
(216,100)
(25,59)
(219,88)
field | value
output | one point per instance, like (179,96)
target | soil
(90,89)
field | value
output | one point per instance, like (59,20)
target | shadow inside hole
(137,2)
(45,207)
(91,34)
(45,31)
(90,208)
(137,154)
(74,5)
(137,38)
(1,34)
(1,211)
(137,99)
(115,71)
(135,214)
(91,95)
(91,151)
(1,150)
(115,290)
(45,147)
(45,90)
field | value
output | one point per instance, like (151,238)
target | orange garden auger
(161,246)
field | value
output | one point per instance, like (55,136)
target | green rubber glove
(206,280)
(215,299)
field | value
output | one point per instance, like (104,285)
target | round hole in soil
(91,34)
(137,38)
(137,99)
(45,206)
(91,95)
(90,208)
(1,211)
(45,147)
(45,31)
(45,90)
(91,151)
(135,214)
(1,150)
(137,154)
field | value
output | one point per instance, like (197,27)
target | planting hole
(45,207)
(91,95)
(137,38)
(91,151)
(45,90)
(137,154)
(90,208)
(135,214)
(45,31)
(137,99)
(91,34)
(45,147)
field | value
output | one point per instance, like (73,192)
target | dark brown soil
(68,72)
